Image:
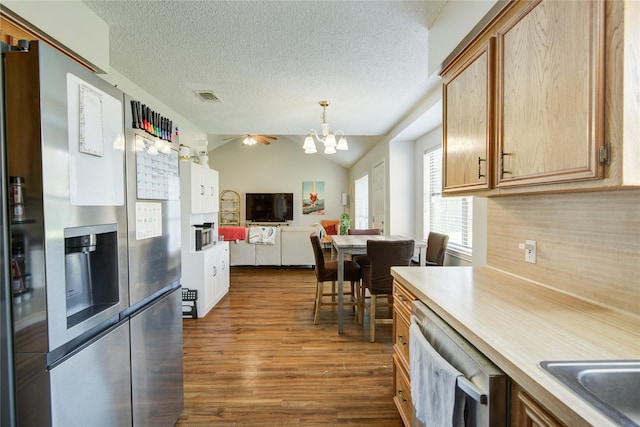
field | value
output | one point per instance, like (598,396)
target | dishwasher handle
(464,384)
(471,390)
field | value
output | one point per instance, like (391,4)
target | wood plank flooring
(257,359)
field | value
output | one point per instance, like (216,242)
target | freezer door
(156,362)
(92,386)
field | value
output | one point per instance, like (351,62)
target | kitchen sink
(611,386)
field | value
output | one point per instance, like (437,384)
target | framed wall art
(313,197)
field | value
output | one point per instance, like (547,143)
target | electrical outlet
(530,251)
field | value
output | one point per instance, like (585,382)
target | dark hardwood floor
(257,359)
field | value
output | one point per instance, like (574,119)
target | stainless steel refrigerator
(93,290)
(7,395)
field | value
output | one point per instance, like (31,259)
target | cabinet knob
(401,340)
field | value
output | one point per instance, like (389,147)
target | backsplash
(588,244)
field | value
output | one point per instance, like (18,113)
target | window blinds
(362,202)
(449,215)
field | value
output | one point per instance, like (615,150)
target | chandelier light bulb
(309,144)
(342,144)
(329,149)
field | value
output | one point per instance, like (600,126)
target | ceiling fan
(252,138)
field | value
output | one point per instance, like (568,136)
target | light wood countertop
(518,324)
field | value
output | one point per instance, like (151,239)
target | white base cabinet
(207,272)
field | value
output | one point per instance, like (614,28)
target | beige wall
(457,18)
(588,244)
(280,167)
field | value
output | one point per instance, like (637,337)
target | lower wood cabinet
(526,412)
(401,379)
(402,390)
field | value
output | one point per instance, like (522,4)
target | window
(449,215)
(362,203)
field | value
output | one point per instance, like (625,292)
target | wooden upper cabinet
(467,122)
(550,103)
(533,94)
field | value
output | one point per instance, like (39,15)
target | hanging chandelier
(328,138)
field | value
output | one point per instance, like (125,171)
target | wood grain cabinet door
(550,81)
(468,94)
(525,412)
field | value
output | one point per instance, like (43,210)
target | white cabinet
(207,272)
(200,185)
(221,278)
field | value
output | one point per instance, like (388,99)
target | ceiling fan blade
(261,139)
(234,137)
(273,138)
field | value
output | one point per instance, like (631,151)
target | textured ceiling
(271,62)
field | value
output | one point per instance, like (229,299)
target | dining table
(356,244)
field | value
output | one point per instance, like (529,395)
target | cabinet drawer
(402,299)
(401,337)
(402,397)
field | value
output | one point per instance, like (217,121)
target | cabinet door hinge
(604,154)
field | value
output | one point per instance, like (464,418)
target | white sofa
(292,248)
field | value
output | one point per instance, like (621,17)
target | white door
(377,196)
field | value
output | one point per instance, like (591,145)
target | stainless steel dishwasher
(485,386)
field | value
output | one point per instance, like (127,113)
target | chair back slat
(364,231)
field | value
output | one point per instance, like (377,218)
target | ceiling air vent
(207,96)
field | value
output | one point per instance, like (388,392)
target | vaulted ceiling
(269,63)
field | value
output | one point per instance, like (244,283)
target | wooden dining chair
(377,279)
(327,271)
(436,249)
(362,232)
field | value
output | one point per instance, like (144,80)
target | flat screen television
(269,207)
